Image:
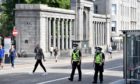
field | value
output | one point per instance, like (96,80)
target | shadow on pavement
(26,78)
(90,66)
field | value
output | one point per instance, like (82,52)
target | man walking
(99,64)
(76,63)
(39,56)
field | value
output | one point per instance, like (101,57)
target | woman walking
(12,55)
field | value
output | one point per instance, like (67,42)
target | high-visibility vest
(75,56)
(98,59)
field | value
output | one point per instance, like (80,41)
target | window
(95,9)
(113,25)
(114,9)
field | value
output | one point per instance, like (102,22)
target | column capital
(54,18)
(50,18)
(66,20)
(58,19)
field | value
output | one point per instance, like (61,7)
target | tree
(7,18)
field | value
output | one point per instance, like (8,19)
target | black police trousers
(74,66)
(98,69)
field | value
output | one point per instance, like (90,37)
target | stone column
(58,33)
(103,33)
(62,33)
(90,31)
(96,33)
(43,34)
(49,21)
(54,32)
(99,33)
(70,34)
(47,35)
(66,36)
(79,29)
(108,28)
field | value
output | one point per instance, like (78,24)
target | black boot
(94,82)
(70,79)
(79,80)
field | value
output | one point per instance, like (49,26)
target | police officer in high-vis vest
(76,63)
(99,64)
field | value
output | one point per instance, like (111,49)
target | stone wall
(55,27)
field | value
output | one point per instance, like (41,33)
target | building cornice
(41,7)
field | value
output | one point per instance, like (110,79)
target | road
(58,73)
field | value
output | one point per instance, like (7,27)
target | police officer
(76,63)
(99,64)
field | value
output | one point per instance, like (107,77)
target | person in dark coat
(39,56)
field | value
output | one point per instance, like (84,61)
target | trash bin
(7,59)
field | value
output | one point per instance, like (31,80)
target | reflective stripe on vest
(98,58)
(75,56)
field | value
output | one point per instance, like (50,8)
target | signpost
(7,46)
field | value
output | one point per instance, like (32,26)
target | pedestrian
(76,63)
(12,55)
(99,59)
(51,51)
(39,56)
(55,54)
(1,56)
(110,52)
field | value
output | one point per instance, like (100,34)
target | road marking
(53,80)
(118,81)
(122,81)
(115,67)
(59,79)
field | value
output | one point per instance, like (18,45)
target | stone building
(124,16)
(55,27)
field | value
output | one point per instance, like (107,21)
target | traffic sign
(14,32)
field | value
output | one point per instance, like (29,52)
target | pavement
(60,71)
